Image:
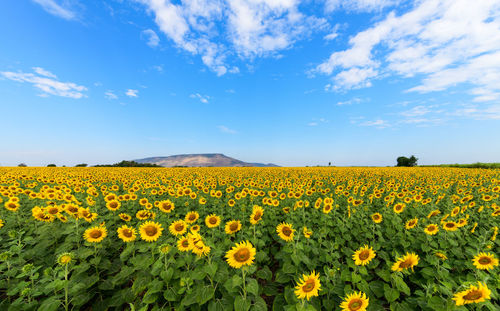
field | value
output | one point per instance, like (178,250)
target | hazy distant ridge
(200,160)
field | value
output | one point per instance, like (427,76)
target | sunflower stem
(66,287)
(244,284)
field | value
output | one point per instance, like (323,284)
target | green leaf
(259,304)
(241,304)
(50,304)
(205,295)
(401,285)
(356,278)
(264,273)
(390,293)
(210,269)
(253,287)
(290,296)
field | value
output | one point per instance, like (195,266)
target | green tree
(408,162)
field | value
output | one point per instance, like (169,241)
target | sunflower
(232,226)
(200,249)
(307,233)
(356,301)
(256,214)
(113,205)
(64,259)
(125,217)
(11,206)
(285,231)
(474,294)
(410,224)
(450,226)
(441,255)
(408,261)
(308,286)
(212,221)
(95,234)
(178,227)
(363,255)
(87,215)
(399,208)
(286,210)
(1,223)
(242,254)
(485,261)
(127,234)
(431,229)
(164,249)
(194,229)
(150,231)
(377,218)
(191,217)
(183,244)
(327,208)
(166,206)
(145,214)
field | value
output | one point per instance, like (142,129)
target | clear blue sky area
(288,82)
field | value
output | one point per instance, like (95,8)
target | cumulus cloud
(442,43)
(110,95)
(151,37)
(359,5)
(132,93)
(58,8)
(214,29)
(225,129)
(203,98)
(47,83)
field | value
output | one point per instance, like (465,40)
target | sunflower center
(95,234)
(309,286)
(431,228)
(450,225)
(355,304)
(192,217)
(179,227)
(286,231)
(474,295)
(53,211)
(364,255)
(233,226)
(127,233)
(150,230)
(212,220)
(185,243)
(376,217)
(113,205)
(484,260)
(412,223)
(242,255)
(406,264)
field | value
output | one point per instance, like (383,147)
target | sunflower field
(249,239)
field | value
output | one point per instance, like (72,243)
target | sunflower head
(410,224)
(474,294)
(191,217)
(232,226)
(356,301)
(64,259)
(308,286)
(183,244)
(95,234)
(150,231)
(485,261)
(408,261)
(377,218)
(212,221)
(363,255)
(285,231)
(126,233)
(242,254)
(431,229)
(164,249)
(178,227)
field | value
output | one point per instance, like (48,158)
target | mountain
(200,160)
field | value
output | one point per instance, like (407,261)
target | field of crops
(249,239)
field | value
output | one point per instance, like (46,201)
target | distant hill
(200,160)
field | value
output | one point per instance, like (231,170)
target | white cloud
(60,10)
(110,95)
(151,37)
(379,123)
(443,43)
(355,100)
(313,124)
(359,5)
(203,98)
(227,130)
(215,29)
(132,93)
(47,82)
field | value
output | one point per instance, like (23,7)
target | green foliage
(408,162)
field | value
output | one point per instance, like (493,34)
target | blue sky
(288,82)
